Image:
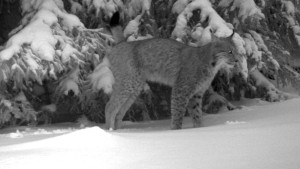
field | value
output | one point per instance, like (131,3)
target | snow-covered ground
(259,136)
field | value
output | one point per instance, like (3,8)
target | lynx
(188,70)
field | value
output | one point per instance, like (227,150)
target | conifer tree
(48,62)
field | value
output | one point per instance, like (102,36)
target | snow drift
(261,135)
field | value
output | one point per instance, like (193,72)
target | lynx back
(188,70)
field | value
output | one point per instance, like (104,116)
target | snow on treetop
(102,7)
(37,33)
(246,8)
(289,7)
(215,22)
(108,6)
(135,6)
(179,6)
(132,27)
(289,14)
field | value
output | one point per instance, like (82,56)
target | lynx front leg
(181,94)
(112,107)
(194,109)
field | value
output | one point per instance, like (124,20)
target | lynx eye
(230,52)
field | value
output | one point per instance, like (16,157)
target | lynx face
(225,56)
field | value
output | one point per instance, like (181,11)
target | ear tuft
(115,19)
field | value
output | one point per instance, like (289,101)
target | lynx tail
(115,27)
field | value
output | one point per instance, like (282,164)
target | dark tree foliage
(275,30)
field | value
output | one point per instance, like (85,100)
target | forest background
(50,50)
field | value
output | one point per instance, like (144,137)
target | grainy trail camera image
(119,84)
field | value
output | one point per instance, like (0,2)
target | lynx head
(226,56)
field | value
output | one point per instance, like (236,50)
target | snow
(71,85)
(71,21)
(179,6)
(289,13)
(67,52)
(37,30)
(102,77)
(246,8)
(136,7)
(273,93)
(38,35)
(261,80)
(75,7)
(197,32)
(136,38)
(132,27)
(252,48)
(262,46)
(289,7)
(99,5)
(260,135)
(49,108)
(215,22)
(108,8)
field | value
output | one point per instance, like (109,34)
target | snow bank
(27,132)
(235,139)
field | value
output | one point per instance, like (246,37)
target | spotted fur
(188,70)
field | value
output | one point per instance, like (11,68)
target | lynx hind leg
(128,104)
(120,115)
(194,109)
(111,106)
(123,96)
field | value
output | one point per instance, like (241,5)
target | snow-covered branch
(246,8)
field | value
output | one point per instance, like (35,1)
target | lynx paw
(176,127)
